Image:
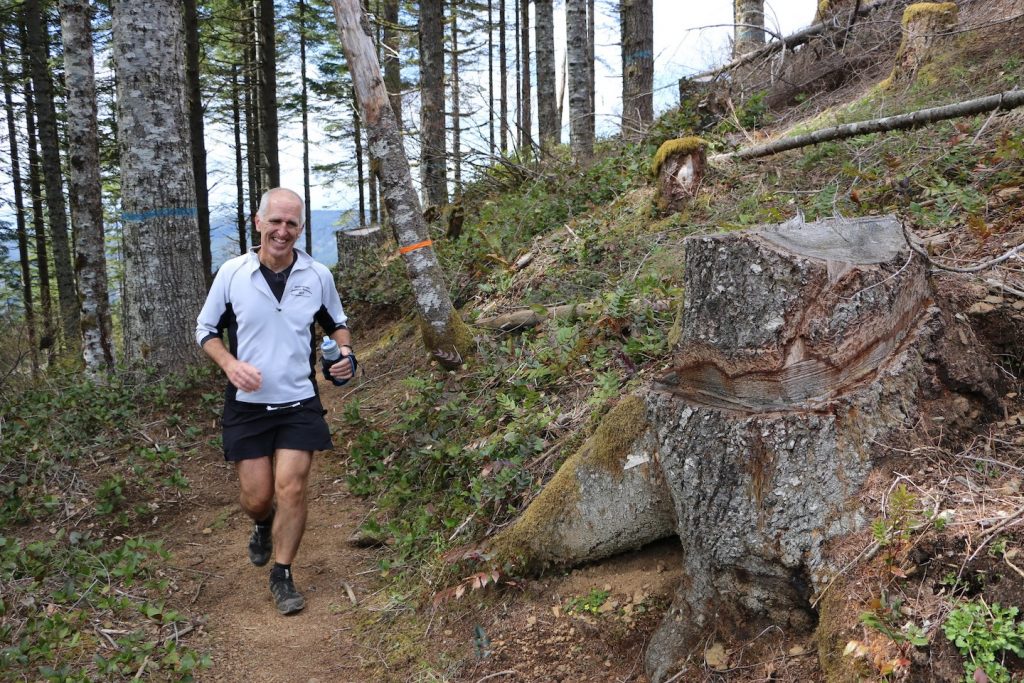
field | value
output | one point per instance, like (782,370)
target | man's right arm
(241,374)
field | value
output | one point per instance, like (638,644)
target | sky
(688,37)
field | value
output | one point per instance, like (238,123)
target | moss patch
(456,333)
(920,8)
(687,145)
(531,542)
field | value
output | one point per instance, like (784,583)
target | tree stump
(679,165)
(926,26)
(359,250)
(804,349)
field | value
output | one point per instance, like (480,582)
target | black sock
(280,571)
(269,521)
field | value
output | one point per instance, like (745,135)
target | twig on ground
(507,672)
(976,268)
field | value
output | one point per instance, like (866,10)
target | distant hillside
(326,222)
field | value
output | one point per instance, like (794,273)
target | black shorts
(255,430)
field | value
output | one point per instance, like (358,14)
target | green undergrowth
(83,464)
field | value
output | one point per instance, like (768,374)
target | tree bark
(432,120)
(253,157)
(490,77)
(548,125)
(304,106)
(526,101)
(196,134)
(236,126)
(502,78)
(53,179)
(1010,99)
(19,208)
(637,24)
(85,187)
(444,333)
(581,120)
(392,65)
(456,107)
(748,29)
(47,338)
(164,282)
(268,130)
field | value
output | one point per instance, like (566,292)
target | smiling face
(279,223)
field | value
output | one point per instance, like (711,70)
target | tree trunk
(196,134)
(433,169)
(304,106)
(236,126)
(502,78)
(748,29)
(47,338)
(526,104)
(85,187)
(926,26)
(456,108)
(53,178)
(804,347)
(164,282)
(490,77)
(270,176)
(548,125)
(1010,99)
(392,65)
(581,121)
(253,156)
(637,23)
(360,152)
(591,59)
(19,208)
(444,333)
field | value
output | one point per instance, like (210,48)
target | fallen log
(1010,99)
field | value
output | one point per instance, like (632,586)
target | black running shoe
(287,599)
(260,542)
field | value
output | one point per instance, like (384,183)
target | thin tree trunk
(637,23)
(456,110)
(19,208)
(85,187)
(526,108)
(502,78)
(254,161)
(164,283)
(392,66)
(434,171)
(196,134)
(236,126)
(548,124)
(49,141)
(591,61)
(47,338)
(748,30)
(490,75)
(444,333)
(304,105)
(357,128)
(267,45)
(581,122)
(1010,99)
(518,61)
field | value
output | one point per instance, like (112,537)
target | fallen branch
(789,42)
(1010,99)
(528,317)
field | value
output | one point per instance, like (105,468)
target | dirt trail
(529,632)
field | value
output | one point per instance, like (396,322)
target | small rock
(207,531)
(797,650)
(716,658)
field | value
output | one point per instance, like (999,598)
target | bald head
(281,193)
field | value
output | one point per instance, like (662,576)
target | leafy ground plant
(985,634)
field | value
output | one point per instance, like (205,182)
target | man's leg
(256,495)
(291,474)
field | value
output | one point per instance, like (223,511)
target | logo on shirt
(301,290)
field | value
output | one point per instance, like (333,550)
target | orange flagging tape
(414,247)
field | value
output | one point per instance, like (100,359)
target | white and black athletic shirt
(272,331)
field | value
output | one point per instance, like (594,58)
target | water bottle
(331,355)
